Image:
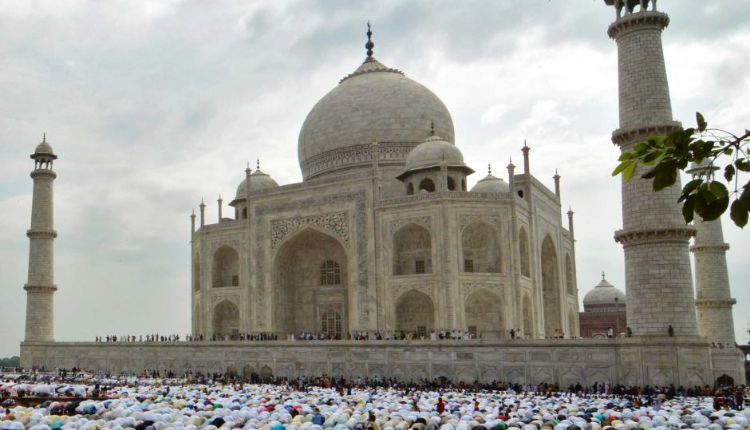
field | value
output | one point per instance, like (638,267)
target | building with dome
(382,234)
(604,311)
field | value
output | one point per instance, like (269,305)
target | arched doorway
(247,373)
(226,320)
(481,248)
(483,314)
(226,268)
(570,284)
(427,185)
(412,250)
(572,326)
(414,313)
(528,318)
(331,324)
(550,289)
(523,250)
(310,279)
(725,381)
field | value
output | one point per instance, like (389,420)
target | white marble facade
(383,234)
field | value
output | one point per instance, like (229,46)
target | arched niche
(226,319)
(196,274)
(528,317)
(197,319)
(415,313)
(451,184)
(570,284)
(481,248)
(483,314)
(410,189)
(310,277)
(226,268)
(523,250)
(427,185)
(550,288)
(412,250)
(572,326)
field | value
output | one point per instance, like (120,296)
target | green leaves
(707,199)
(700,121)
(666,156)
(740,208)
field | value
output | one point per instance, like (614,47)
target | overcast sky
(153,104)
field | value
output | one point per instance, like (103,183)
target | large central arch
(550,289)
(310,284)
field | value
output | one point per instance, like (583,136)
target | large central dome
(373,104)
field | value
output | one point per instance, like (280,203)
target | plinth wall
(630,361)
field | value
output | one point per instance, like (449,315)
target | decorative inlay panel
(424,221)
(336,223)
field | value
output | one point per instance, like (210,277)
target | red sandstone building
(603,309)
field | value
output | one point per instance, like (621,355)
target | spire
(369,45)
(525,150)
(557,184)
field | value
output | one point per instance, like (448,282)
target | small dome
(44,148)
(604,295)
(490,184)
(258,181)
(432,152)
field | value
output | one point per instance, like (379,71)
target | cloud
(153,105)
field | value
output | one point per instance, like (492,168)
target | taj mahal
(384,236)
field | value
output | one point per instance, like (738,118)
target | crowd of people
(78,401)
(267,336)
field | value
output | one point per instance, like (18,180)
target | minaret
(654,236)
(41,287)
(714,302)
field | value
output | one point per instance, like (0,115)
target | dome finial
(603,277)
(257,164)
(369,45)
(44,137)
(489,169)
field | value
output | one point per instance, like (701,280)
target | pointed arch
(483,314)
(572,326)
(523,248)
(310,277)
(451,184)
(550,288)
(196,274)
(415,312)
(427,185)
(226,319)
(412,250)
(570,284)
(226,268)
(197,319)
(528,317)
(481,248)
